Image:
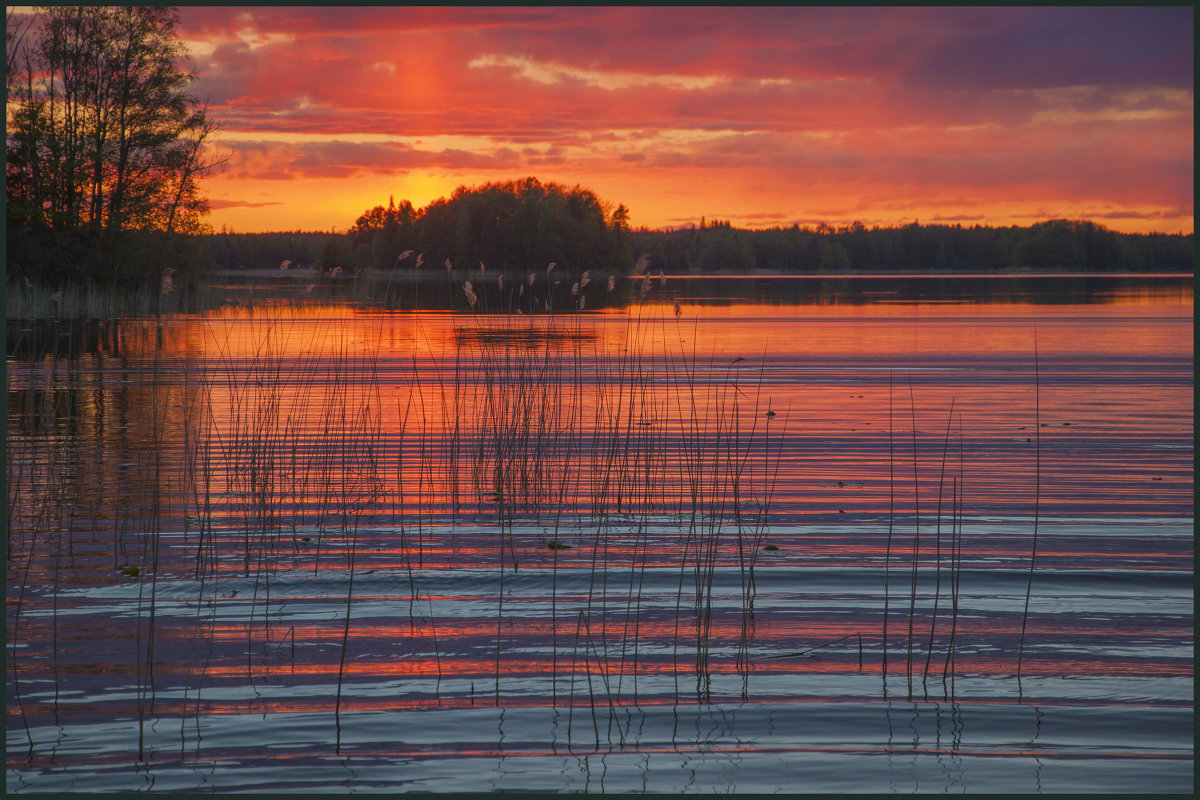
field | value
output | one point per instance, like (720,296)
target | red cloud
(292,161)
(887,106)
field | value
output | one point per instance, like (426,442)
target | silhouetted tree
(1053,246)
(523,225)
(513,226)
(103,139)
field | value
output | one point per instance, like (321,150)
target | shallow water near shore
(857,546)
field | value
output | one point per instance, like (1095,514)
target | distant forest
(1053,246)
(524,225)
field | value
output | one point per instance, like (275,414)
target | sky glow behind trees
(764,117)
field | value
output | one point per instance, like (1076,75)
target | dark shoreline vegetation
(519,228)
(106,147)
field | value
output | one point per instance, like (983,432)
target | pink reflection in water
(336,500)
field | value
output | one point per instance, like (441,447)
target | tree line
(1053,246)
(105,145)
(500,226)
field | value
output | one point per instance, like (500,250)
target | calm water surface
(869,538)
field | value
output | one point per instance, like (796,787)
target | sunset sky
(762,116)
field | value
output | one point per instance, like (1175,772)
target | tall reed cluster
(544,423)
(940,554)
(593,455)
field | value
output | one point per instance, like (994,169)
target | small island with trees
(523,224)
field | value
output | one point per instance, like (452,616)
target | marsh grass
(1037,417)
(941,558)
(28,301)
(550,439)
(280,449)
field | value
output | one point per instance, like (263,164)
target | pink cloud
(295,161)
(897,105)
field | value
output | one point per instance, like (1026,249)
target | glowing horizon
(761,116)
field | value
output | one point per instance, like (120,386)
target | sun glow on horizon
(763,117)
(334,204)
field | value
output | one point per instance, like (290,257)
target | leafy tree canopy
(526,224)
(105,146)
(510,226)
(1057,245)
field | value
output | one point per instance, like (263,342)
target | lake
(738,534)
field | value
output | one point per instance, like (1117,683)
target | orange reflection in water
(621,408)
(269,458)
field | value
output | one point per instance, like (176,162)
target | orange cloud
(756,115)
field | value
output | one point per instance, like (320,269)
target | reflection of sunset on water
(833,371)
(330,514)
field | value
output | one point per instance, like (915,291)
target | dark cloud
(409,70)
(1023,48)
(221,204)
(1172,213)
(268,160)
(981,48)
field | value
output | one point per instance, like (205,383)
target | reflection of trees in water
(95,440)
(63,338)
(295,439)
(562,291)
(95,465)
(1037,289)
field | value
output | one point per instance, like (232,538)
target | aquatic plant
(283,453)
(1037,432)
